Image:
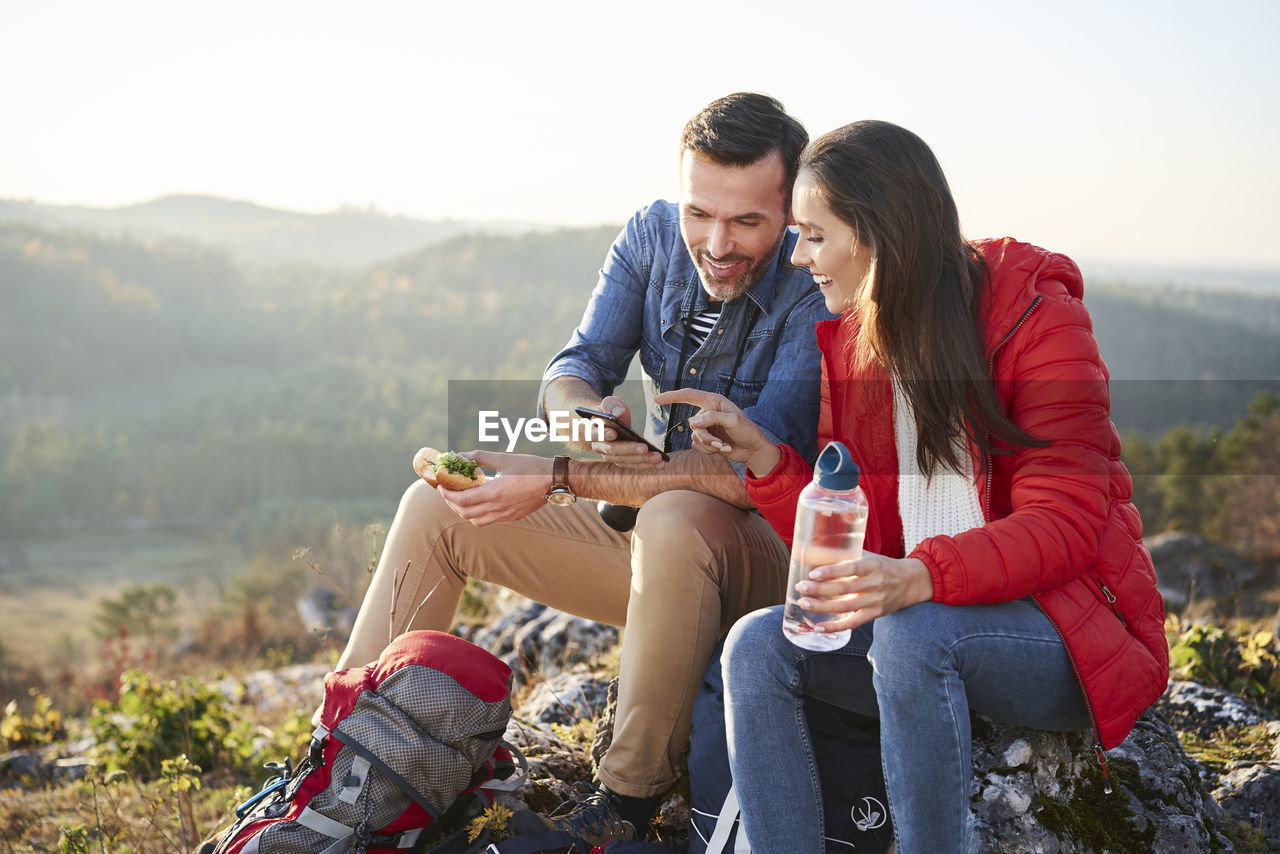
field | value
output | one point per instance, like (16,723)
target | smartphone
(623,431)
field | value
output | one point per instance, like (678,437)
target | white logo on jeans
(873,814)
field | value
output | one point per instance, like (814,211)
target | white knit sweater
(945,504)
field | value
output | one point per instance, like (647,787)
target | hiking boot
(591,815)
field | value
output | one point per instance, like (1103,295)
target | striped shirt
(702,324)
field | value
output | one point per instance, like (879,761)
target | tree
(1249,500)
(1189,464)
(144,609)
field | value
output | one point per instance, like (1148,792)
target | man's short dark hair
(742,128)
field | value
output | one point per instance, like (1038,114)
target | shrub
(42,726)
(1246,663)
(155,721)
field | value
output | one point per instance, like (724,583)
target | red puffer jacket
(1060,526)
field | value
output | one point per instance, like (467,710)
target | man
(704,293)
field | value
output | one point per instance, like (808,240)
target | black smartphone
(624,432)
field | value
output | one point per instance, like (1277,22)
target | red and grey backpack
(405,745)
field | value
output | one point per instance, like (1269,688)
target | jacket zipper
(1111,600)
(986,512)
(991,372)
(1088,704)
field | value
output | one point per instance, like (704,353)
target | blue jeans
(920,671)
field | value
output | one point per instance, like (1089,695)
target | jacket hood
(1019,273)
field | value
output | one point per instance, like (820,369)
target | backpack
(847,747)
(405,745)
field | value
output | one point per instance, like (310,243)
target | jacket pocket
(744,392)
(1108,598)
(652,360)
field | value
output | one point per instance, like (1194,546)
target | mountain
(160,378)
(1189,277)
(252,233)
(1185,356)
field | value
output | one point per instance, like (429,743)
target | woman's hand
(720,428)
(521,489)
(863,589)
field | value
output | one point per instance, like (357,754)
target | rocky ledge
(1031,791)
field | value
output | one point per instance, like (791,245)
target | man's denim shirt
(639,306)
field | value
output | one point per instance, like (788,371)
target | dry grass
(49,606)
(116,815)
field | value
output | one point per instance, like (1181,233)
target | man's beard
(726,289)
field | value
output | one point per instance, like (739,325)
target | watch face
(561,497)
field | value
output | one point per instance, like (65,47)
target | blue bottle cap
(836,469)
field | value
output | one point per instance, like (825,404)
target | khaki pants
(691,566)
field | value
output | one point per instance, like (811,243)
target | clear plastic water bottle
(831,521)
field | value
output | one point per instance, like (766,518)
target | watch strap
(560,471)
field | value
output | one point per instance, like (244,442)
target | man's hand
(567,393)
(863,589)
(623,452)
(520,490)
(721,428)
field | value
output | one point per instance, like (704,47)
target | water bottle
(831,521)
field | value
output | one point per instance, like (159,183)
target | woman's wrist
(919,580)
(764,460)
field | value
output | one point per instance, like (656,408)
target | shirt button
(680,429)
(719,331)
(693,370)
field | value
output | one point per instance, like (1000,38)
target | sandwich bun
(428,466)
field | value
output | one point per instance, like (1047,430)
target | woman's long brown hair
(919,309)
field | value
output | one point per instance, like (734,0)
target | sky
(1129,131)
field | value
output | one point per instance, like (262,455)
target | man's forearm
(689,470)
(564,393)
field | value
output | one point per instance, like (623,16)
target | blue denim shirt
(645,290)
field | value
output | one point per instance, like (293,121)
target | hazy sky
(1139,130)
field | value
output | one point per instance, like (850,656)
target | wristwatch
(560,494)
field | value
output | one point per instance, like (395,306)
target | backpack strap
(724,826)
(340,833)
(516,778)
(335,830)
(376,761)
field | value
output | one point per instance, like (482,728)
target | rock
(324,612)
(1043,792)
(530,637)
(299,687)
(24,768)
(36,767)
(1188,567)
(71,768)
(554,766)
(564,699)
(1249,791)
(1205,710)
(1250,794)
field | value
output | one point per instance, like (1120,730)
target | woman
(1003,569)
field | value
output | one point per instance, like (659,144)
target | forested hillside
(1185,357)
(252,233)
(159,382)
